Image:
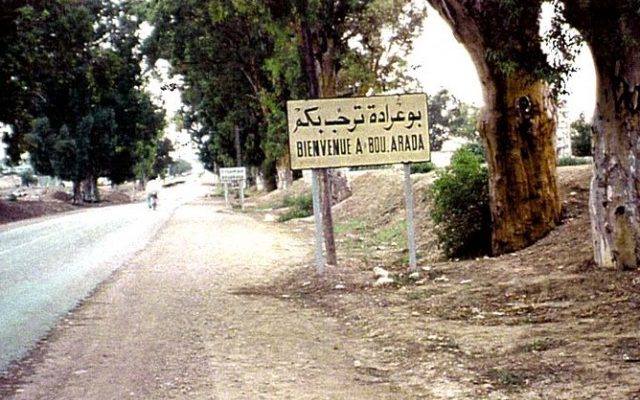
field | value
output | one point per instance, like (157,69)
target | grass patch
(354,225)
(422,168)
(299,207)
(391,234)
(567,161)
(506,377)
(541,344)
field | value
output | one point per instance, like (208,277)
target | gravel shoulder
(172,324)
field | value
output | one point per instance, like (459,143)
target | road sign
(234,176)
(330,133)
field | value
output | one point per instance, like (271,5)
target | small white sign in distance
(346,132)
(231,175)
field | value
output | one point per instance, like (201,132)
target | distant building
(563,134)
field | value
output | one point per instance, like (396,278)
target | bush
(179,167)
(422,168)
(461,206)
(476,148)
(566,161)
(581,137)
(27,178)
(299,207)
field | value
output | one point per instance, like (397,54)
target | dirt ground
(542,323)
(39,202)
(236,312)
(173,324)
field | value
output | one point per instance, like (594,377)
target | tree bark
(77,192)
(318,60)
(283,171)
(518,127)
(612,30)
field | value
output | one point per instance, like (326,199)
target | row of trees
(72,92)
(519,118)
(242,59)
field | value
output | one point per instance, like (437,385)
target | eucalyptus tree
(518,121)
(612,31)
(91,117)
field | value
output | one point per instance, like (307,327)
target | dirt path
(170,326)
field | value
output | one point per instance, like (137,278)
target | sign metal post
(242,183)
(408,199)
(315,192)
(226,194)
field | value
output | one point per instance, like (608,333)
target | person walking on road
(152,190)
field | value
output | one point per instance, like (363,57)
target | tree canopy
(86,114)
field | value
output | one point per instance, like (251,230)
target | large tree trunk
(283,170)
(318,57)
(77,192)
(612,30)
(615,188)
(518,128)
(518,125)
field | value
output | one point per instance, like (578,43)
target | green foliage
(87,115)
(581,137)
(461,206)
(449,116)
(163,160)
(299,207)
(567,161)
(27,178)
(422,168)
(241,61)
(180,167)
(476,148)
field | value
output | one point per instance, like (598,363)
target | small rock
(285,296)
(427,268)
(80,372)
(415,314)
(305,284)
(383,280)
(357,364)
(465,281)
(339,286)
(380,272)
(441,278)
(414,276)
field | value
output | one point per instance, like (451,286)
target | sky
(441,62)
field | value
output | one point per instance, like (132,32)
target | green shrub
(27,178)
(461,206)
(476,148)
(581,137)
(299,207)
(566,161)
(422,168)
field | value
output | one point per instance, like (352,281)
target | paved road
(49,265)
